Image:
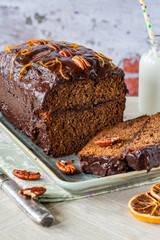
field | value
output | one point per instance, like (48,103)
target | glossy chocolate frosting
(141,159)
(32,67)
(102,165)
(31,73)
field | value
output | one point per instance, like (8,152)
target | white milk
(149,83)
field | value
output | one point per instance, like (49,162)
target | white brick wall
(113,27)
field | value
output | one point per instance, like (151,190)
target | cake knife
(36,211)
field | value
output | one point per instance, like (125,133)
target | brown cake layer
(76,127)
(87,92)
(49,88)
(138,148)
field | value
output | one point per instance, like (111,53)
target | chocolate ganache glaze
(32,72)
(145,158)
(33,64)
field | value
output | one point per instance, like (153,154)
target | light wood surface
(102,217)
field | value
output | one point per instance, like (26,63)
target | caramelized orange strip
(47,64)
(23,68)
(53,64)
(29,42)
(113,67)
(28,64)
(78,50)
(20,45)
(35,44)
(74,46)
(26,51)
(30,47)
(34,40)
(8,48)
(60,70)
(97,55)
(23,52)
(101,55)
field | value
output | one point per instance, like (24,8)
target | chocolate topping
(49,88)
(145,158)
(38,65)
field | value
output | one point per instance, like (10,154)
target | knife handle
(36,211)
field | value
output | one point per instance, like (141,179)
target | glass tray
(78,183)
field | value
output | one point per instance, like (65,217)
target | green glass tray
(78,183)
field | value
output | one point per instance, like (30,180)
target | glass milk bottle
(149,82)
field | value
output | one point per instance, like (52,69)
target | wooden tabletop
(101,217)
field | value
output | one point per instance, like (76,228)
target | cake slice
(138,148)
(144,151)
(60,94)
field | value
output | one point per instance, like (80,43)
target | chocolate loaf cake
(136,146)
(60,94)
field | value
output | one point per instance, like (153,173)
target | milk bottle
(149,83)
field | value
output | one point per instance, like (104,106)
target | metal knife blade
(36,211)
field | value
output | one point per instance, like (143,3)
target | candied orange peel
(48,64)
(53,63)
(60,70)
(101,57)
(28,64)
(74,46)
(38,40)
(25,51)
(113,66)
(8,48)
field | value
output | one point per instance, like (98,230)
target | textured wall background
(116,28)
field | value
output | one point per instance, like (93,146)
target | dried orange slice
(155,191)
(145,208)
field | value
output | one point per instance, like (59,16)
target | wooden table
(102,217)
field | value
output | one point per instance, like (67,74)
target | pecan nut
(32,192)
(23,174)
(53,46)
(65,53)
(66,167)
(81,62)
(107,141)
